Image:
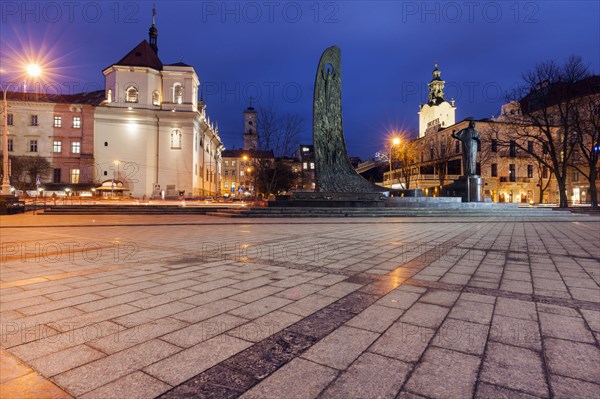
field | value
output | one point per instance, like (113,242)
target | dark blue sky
(270,50)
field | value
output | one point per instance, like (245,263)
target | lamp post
(32,70)
(394,142)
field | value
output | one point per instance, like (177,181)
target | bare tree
(25,169)
(441,152)
(544,111)
(279,134)
(586,122)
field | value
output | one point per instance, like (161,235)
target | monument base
(329,200)
(469,189)
(10,205)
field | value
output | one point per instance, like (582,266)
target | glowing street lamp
(394,143)
(32,70)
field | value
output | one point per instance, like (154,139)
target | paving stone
(136,385)
(572,359)
(422,314)
(568,388)
(399,299)
(314,378)
(477,312)
(67,359)
(207,311)
(340,289)
(10,368)
(592,318)
(202,331)
(516,308)
(444,374)
(102,371)
(375,318)
(370,376)
(178,368)
(565,327)
(462,336)
(440,297)
(309,304)
(256,293)
(403,341)
(265,326)
(469,296)
(340,348)
(517,332)
(487,391)
(514,368)
(31,385)
(261,307)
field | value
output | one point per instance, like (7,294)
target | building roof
(88,98)
(181,64)
(556,93)
(239,153)
(143,55)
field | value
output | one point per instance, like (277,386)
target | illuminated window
(530,171)
(57,121)
(305,165)
(156,98)
(109,96)
(176,139)
(74,176)
(76,147)
(57,147)
(32,145)
(241,173)
(304,149)
(226,184)
(232,163)
(312,165)
(177,93)
(131,95)
(77,122)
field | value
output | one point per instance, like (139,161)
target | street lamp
(32,70)
(394,142)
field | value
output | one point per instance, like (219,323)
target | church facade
(152,135)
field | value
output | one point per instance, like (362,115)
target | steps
(129,210)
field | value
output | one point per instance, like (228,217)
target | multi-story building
(152,134)
(240,170)
(305,156)
(59,128)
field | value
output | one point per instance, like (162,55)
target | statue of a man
(469,139)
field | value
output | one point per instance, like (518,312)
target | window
(32,145)
(575,175)
(34,120)
(456,147)
(511,173)
(494,145)
(232,163)
(226,184)
(57,121)
(74,176)
(109,96)
(77,122)
(513,149)
(478,147)
(304,165)
(545,173)
(156,98)
(494,170)
(545,148)
(10,119)
(57,146)
(176,139)
(10,145)
(530,147)
(250,131)
(304,149)
(56,176)
(226,163)
(76,147)
(131,95)
(312,165)
(530,171)
(177,93)
(226,173)
(232,184)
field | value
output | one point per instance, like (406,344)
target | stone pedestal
(9,205)
(470,189)
(330,200)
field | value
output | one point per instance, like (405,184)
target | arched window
(177,93)
(156,98)
(131,95)
(109,96)
(176,139)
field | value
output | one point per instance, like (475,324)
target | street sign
(38,181)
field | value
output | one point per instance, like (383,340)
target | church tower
(153,32)
(250,133)
(437,113)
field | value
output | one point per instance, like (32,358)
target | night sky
(270,50)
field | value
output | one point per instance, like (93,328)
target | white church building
(151,134)
(437,113)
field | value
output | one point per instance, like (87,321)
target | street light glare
(396,140)
(34,70)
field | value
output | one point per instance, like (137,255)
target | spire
(436,87)
(153,31)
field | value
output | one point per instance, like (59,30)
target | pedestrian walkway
(195,306)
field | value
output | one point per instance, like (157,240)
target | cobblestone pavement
(193,306)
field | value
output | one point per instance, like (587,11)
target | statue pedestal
(470,189)
(329,200)
(10,205)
